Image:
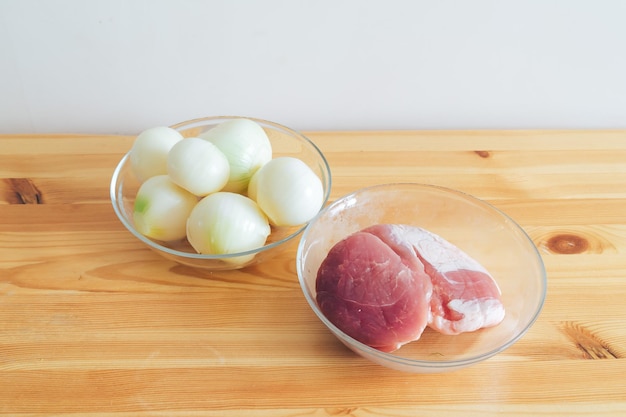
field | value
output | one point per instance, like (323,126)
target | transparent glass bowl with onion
(284,141)
(476,227)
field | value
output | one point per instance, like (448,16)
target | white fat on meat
(465,296)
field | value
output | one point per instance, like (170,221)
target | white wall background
(119,66)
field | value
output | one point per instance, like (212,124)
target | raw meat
(465,296)
(385,284)
(372,293)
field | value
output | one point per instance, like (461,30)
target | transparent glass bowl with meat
(284,142)
(477,228)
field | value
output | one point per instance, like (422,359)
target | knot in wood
(23,191)
(568,244)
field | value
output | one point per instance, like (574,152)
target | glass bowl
(479,229)
(285,142)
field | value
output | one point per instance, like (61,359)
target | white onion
(224,223)
(288,191)
(148,155)
(161,209)
(198,166)
(246,146)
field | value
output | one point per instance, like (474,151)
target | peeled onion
(224,223)
(198,166)
(148,155)
(288,191)
(246,146)
(161,209)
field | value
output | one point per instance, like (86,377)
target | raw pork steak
(384,284)
(373,294)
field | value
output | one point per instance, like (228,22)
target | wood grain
(94,324)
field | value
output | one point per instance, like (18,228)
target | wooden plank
(93,323)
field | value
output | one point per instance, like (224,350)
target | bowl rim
(117,199)
(390,357)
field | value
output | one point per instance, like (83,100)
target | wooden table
(92,323)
